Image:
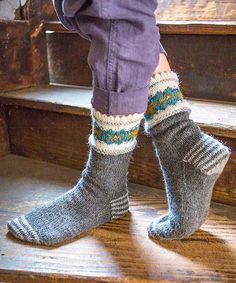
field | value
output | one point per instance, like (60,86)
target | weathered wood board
(73,68)
(4,138)
(199,10)
(119,251)
(15,55)
(204,62)
(169,10)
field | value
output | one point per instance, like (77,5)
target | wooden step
(217,117)
(169,27)
(41,58)
(4,139)
(206,71)
(119,251)
(15,58)
(53,124)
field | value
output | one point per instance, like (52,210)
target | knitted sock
(191,161)
(99,196)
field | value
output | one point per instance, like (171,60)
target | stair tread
(220,117)
(170,27)
(120,250)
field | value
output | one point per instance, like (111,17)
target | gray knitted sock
(190,160)
(99,196)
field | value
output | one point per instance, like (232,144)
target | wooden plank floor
(196,10)
(119,251)
(220,117)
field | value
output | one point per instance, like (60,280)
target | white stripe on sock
(207,153)
(162,86)
(120,198)
(23,229)
(112,149)
(26,223)
(18,232)
(163,76)
(120,206)
(214,161)
(119,203)
(116,120)
(119,214)
(218,168)
(118,127)
(117,208)
(197,148)
(208,157)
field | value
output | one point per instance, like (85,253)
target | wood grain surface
(202,60)
(197,27)
(4,139)
(169,27)
(119,251)
(15,55)
(61,69)
(168,10)
(204,10)
(204,64)
(216,116)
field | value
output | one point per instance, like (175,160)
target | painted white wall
(8,7)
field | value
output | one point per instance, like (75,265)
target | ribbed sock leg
(99,196)
(191,161)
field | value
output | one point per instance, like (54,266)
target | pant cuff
(120,103)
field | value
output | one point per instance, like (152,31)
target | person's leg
(163,65)
(122,68)
(191,161)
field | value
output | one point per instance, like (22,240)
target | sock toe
(167,230)
(155,230)
(21,229)
(162,218)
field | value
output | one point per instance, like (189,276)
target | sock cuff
(161,81)
(116,121)
(114,134)
(170,110)
(165,99)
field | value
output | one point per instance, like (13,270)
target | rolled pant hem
(120,103)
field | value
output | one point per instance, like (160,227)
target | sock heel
(119,206)
(208,155)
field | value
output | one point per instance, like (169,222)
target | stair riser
(204,62)
(4,140)
(62,139)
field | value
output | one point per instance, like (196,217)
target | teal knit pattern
(161,100)
(114,137)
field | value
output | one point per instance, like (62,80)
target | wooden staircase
(44,125)
(53,123)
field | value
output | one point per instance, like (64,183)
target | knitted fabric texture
(100,194)
(165,99)
(191,162)
(114,134)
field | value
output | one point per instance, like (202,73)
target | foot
(99,196)
(89,204)
(191,161)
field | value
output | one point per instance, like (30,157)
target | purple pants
(124,50)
